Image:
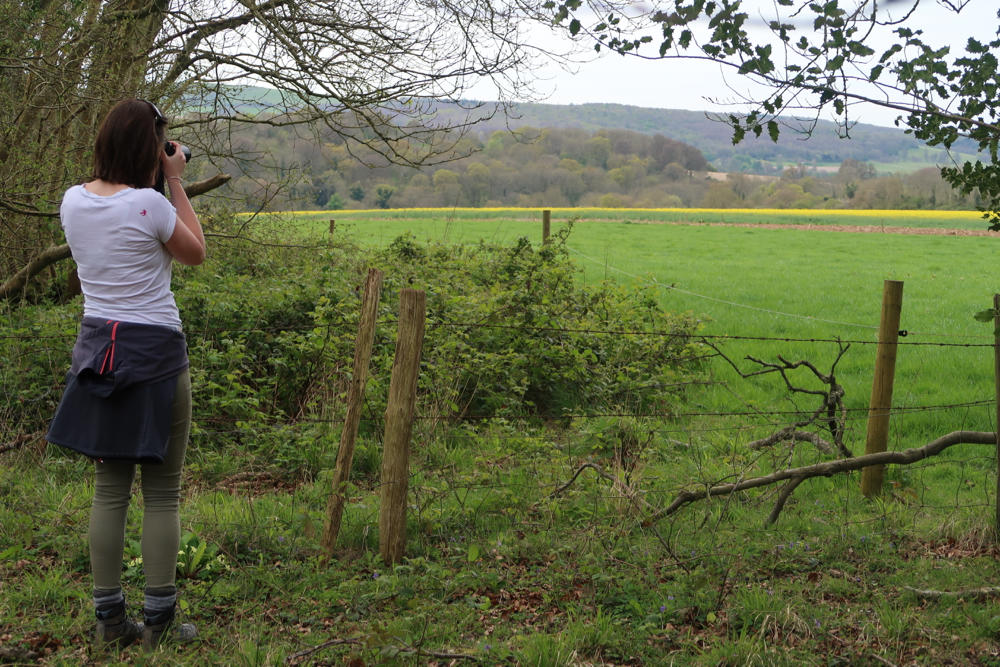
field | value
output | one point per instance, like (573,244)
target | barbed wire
(545,329)
(862,412)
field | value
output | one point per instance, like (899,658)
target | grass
(501,571)
(459,221)
(800,284)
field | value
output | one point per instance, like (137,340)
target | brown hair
(129,143)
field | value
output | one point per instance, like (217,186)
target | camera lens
(168,148)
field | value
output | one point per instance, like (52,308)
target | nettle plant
(510,332)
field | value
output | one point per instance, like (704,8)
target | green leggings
(161,491)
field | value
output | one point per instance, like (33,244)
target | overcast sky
(682,84)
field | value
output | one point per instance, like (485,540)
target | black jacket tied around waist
(120,390)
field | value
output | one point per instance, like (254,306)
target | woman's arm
(187,243)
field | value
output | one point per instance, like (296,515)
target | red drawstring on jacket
(110,354)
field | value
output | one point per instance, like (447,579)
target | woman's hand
(173,165)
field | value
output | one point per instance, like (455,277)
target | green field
(761,282)
(519,554)
(461,217)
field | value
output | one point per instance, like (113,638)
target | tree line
(536,167)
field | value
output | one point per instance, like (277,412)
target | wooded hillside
(533,167)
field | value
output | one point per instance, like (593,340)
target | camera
(168,148)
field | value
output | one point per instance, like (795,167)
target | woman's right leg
(112,490)
(108,514)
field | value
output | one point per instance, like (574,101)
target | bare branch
(827,468)
(965,594)
(15,285)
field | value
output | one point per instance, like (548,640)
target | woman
(128,392)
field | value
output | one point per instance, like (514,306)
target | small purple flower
(663,608)
(281,538)
(670,597)
(374,575)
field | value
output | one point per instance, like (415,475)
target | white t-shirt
(117,243)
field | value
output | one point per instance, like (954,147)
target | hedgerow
(511,332)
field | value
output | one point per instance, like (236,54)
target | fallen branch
(19,441)
(627,490)
(592,466)
(791,434)
(782,498)
(17,655)
(319,647)
(966,594)
(406,650)
(827,468)
(832,409)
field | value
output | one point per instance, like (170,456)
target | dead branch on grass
(824,469)
(831,409)
(404,650)
(966,594)
(19,441)
(616,482)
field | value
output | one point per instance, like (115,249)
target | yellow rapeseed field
(833,213)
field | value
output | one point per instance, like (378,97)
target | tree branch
(966,594)
(19,281)
(16,283)
(828,468)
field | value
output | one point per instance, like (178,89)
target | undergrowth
(543,443)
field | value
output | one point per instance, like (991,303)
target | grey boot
(115,628)
(161,627)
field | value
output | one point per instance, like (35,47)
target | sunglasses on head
(160,118)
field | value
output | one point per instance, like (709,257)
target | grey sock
(108,601)
(158,605)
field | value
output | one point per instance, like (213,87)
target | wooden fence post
(885,370)
(355,398)
(333,225)
(546,224)
(996,375)
(399,425)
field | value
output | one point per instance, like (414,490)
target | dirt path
(858,229)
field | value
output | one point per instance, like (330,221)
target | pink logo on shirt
(142,212)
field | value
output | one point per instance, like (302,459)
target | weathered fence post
(355,399)
(885,370)
(399,425)
(546,224)
(996,375)
(333,225)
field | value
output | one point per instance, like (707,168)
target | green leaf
(574,27)
(986,315)
(473,554)
(772,130)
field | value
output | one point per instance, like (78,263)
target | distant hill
(889,148)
